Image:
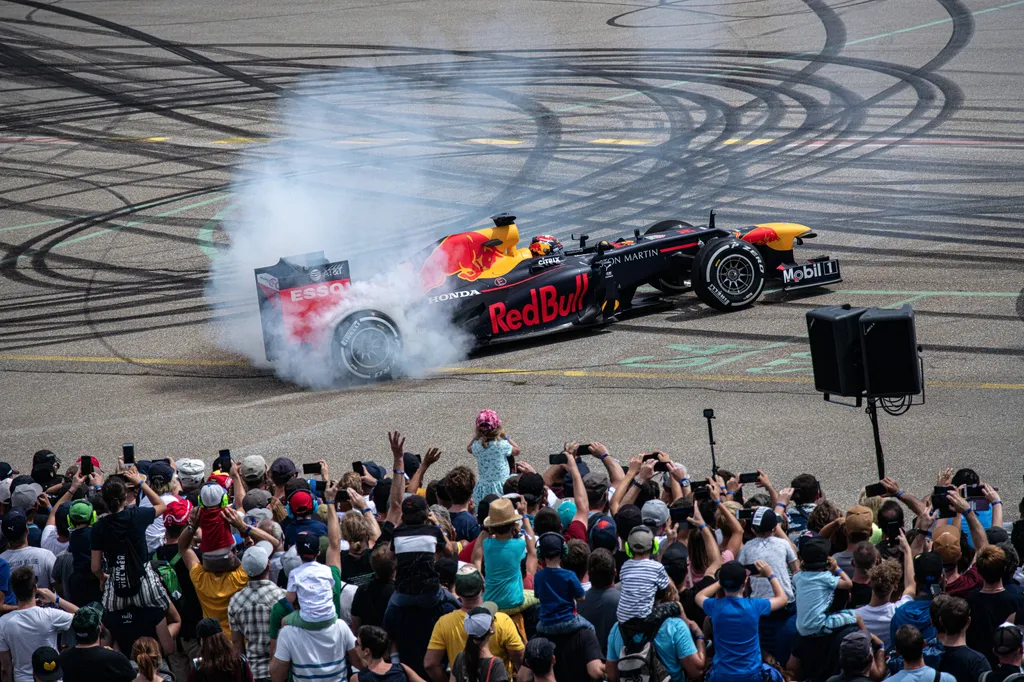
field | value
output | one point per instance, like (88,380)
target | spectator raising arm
(619,498)
(238,484)
(909,583)
(892,489)
(779,599)
(393,513)
(333,527)
(416,480)
(76,483)
(132,475)
(579,491)
(962,507)
(359,504)
(997,505)
(234,518)
(766,483)
(710,542)
(611,465)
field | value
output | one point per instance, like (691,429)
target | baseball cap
(14,525)
(946,543)
(468,582)
(411,463)
(641,540)
(764,520)
(255,561)
(814,554)
(5,490)
(46,664)
(44,457)
(731,575)
(208,627)
(550,545)
(596,482)
(191,472)
(212,495)
(282,468)
(257,516)
(538,654)
(296,484)
(6,471)
(414,504)
(95,464)
(566,511)
(602,533)
(81,512)
(447,567)
(626,519)
(927,569)
(253,467)
(531,486)
(375,470)
(312,584)
(859,520)
(307,544)
(488,419)
(60,517)
(160,473)
(177,512)
(675,559)
(301,502)
(86,622)
(1007,639)
(855,651)
(25,495)
(654,513)
(478,621)
(256,499)
(20,480)
(805,537)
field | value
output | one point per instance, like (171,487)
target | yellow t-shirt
(450,636)
(215,591)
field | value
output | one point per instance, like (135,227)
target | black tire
(671,285)
(728,274)
(366,346)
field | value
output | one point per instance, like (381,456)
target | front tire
(670,284)
(366,345)
(728,274)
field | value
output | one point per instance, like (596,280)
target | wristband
(996,502)
(247,530)
(772,577)
(928,534)
(699,637)
(602,457)
(970,510)
(837,572)
(702,526)
(367,511)
(716,501)
(685,481)
(398,471)
(900,493)
(56,602)
(634,482)
(780,504)
(724,489)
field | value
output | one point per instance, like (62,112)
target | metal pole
(879,456)
(711,440)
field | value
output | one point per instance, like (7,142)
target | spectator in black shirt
(88,661)
(951,617)
(602,599)
(459,484)
(1009,650)
(865,557)
(371,599)
(992,605)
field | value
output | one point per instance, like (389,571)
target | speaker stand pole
(872,411)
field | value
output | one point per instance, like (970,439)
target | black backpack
(128,567)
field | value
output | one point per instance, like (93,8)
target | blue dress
(492,468)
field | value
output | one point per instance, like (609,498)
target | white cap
(191,472)
(5,490)
(212,495)
(255,561)
(313,585)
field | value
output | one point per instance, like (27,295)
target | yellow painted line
(137,139)
(492,140)
(759,141)
(138,361)
(732,140)
(599,374)
(241,140)
(609,140)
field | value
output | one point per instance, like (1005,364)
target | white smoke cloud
(313,192)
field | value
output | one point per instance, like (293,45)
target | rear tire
(728,274)
(366,346)
(671,285)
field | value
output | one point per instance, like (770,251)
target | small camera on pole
(709,414)
(867,354)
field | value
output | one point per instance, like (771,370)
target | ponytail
(146,654)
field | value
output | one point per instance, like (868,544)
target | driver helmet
(545,245)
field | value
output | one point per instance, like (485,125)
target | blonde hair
(486,436)
(728,507)
(872,503)
(146,654)
(355,531)
(351,480)
(885,577)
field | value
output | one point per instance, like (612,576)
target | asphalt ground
(129,135)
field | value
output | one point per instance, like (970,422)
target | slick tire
(366,346)
(670,284)
(728,274)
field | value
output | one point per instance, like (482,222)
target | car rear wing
(294,295)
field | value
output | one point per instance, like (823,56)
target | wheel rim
(735,274)
(370,348)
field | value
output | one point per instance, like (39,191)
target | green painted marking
(45,222)
(204,237)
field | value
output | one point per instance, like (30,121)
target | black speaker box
(836,355)
(889,348)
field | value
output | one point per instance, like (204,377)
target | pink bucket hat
(488,419)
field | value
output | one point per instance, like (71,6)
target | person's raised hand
(785,495)
(904,544)
(331,491)
(762,480)
(697,517)
(945,477)
(733,484)
(677,471)
(524,467)
(647,470)
(324,471)
(832,564)
(571,448)
(236,469)
(890,485)
(397,443)
(368,480)
(356,500)
(662,456)
(45,596)
(131,474)
(570,461)
(958,503)
(598,449)
(671,533)
(78,481)
(764,568)
(991,494)
(233,518)
(431,457)
(635,462)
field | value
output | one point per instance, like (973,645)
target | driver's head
(545,245)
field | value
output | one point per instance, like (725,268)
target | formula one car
(489,286)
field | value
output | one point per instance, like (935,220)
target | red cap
(301,502)
(95,462)
(176,513)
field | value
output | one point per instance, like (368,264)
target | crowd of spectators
(592,569)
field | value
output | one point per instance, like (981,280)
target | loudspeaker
(889,347)
(836,356)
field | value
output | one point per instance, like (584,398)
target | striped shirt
(316,654)
(640,579)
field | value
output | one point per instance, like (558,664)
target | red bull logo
(546,305)
(761,235)
(462,254)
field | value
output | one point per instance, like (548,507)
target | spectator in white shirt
(15,529)
(29,627)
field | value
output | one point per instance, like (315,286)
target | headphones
(225,501)
(629,552)
(288,501)
(71,524)
(561,538)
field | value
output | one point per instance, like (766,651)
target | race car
(497,291)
